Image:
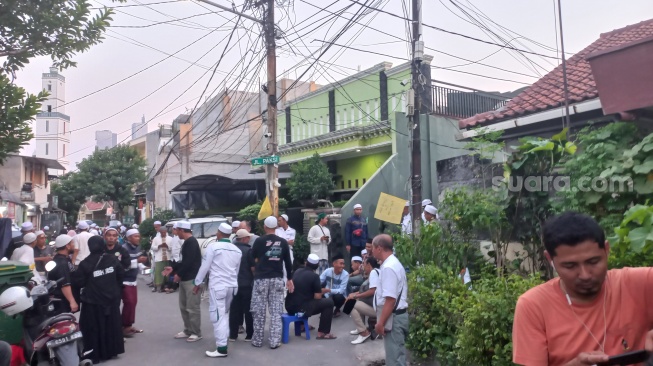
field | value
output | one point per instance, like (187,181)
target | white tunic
(221,261)
(80,241)
(159,251)
(25,254)
(319,246)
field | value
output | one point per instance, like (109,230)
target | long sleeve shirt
(191,260)
(319,246)
(161,253)
(356,231)
(336,282)
(222,262)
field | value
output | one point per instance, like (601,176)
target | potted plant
(310,181)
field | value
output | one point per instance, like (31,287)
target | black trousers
(338,301)
(324,307)
(239,309)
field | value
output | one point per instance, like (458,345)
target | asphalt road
(158,315)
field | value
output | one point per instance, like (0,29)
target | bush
(146,229)
(460,325)
(310,179)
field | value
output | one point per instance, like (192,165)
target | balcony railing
(463,102)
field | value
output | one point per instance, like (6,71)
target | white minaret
(52,126)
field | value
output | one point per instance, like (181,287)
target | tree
(310,179)
(55,28)
(106,175)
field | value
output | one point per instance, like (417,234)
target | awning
(235,180)
(49,163)
(10,197)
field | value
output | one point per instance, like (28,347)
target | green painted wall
(357,104)
(337,148)
(360,168)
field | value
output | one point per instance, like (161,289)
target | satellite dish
(50,266)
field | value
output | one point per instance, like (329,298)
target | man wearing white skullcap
(285,231)
(235,225)
(80,242)
(17,242)
(406,220)
(25,253)
(430,214)
(271,254)
(425,202)
(356,231)
(221,262)
(64,247)
(307,297)
(130,281)
(185,272)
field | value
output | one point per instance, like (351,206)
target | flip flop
(327,336)
(137,330)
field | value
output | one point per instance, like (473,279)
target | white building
(52,125)
(139,129)
(105,139)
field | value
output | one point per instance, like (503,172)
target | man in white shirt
(286,232)
(222,262)
(235,225)
(175,244)
(161,257)
(430,214)
(390,301)
(80,242)
(406,221)
(319,238)
(25,253)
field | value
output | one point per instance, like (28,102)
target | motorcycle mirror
(50,266)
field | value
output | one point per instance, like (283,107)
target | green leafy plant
(310,179)
(632,242)
(250,213)
(534,161)
(485,145)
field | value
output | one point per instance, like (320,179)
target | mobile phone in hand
(628,358)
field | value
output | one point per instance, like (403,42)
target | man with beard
(101,275)
(588,313)
(114,248)
(64,247)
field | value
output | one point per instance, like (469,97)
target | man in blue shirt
(334,282)
(356,231)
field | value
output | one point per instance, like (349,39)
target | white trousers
(219,303)
(292,260)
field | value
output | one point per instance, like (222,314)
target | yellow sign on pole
(266,209)
(389,208)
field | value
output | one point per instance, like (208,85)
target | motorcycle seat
(55,319)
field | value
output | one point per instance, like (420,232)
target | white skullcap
(40,232)
(26,226)
(407,204)
(110,229)
(83,225)
(358,205)
(94,232)
(46,228)
(62,241)
(174,225)
(134,226)
(426,202)
(356,258)
(285,217)
(313,259)
(122,229)
(225,228)
(431,209)
(93,225)
(131,232)
(271,222)
(184,225)
(364,251)
(29,238)
(157,223)
(235,224)
(118,223)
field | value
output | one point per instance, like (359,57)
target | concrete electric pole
(414,124)
(272,170)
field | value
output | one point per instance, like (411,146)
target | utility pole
(416,151)
(272,170)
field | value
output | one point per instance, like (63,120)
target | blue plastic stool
(287,319)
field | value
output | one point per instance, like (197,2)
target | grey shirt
(47,251)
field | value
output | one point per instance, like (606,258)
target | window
(342,184)
(349,183)
(363,180)
(49,87)
(356,181)
(46,149)
(211,229)
(47,126)
(49,108)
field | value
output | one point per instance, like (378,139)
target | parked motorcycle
(49,338)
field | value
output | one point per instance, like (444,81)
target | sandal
(137,330)
(326,336)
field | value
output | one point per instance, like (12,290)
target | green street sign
(265,160)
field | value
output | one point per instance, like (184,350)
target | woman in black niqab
(100,277)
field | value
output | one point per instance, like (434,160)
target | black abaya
(102,331)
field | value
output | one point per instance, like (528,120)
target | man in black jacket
(241,304)
(185,271)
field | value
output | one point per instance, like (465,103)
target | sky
(142,37)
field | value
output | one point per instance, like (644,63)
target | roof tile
(547,92)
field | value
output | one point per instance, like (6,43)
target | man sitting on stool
(307,297)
